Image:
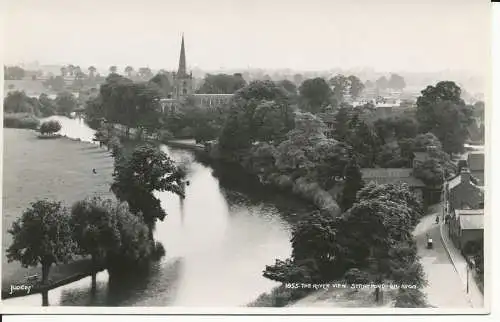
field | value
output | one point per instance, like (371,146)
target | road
(445,288)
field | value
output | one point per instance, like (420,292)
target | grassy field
(59,169)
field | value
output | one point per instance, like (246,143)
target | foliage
(13,72)
(396,82)
(221,84)
(413,298)
(315,95)
(353,182)
(19,102)
(50,127)
(442,111)
(137,175)
(42,235)
(258,112)
(95,227)
(20,121)
(47,105)
(124,102)
(65,103)
(162,82)
(289,86)
(382,83)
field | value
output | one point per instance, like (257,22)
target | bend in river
(218,241)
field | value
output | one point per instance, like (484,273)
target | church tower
(183,82)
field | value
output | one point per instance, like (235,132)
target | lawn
(58,169)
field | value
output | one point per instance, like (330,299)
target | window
(184,91)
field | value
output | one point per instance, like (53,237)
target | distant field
(58,169)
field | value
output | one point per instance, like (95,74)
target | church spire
(182,59)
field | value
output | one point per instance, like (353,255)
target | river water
(218,241)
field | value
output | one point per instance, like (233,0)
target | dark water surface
(218,241)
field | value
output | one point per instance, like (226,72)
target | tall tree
(382,83)
(65,103)
(113,69)
(129,70)
(340,85)
(315,95)
(137,175)
(355,86)
(95,230)
(221,84)
(396,82)
(42,236)
(92,71)
(441,110)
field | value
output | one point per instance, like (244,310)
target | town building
(394,175)
(466,226)
(460,192)
(184,92)
(475,163)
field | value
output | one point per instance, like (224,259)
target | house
(475,162)
(465,226)
(461,193)
(394,175)
(419,158)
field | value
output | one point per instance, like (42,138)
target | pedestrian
(94,171)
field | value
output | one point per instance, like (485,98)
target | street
(445,288)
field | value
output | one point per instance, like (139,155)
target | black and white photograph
(242,156)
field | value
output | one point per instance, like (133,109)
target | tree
(129,70)
(13,73)
(92,71)
(382,83)
(42,235)
(289,86)
(315,95)
(258,111)
(353,183)
(396,82)
(442,111)
(18,102)
(47,105)
(55,83)
(355,86)
(162,82)
(136,176)
(113,69)
(145,73)
(64,71)
(298,79)
(65,103)
(221,84)
(50,127)
(95,230)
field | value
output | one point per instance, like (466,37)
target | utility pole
(467,277)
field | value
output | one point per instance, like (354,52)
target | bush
(20,121)
(411,298)
(50,127)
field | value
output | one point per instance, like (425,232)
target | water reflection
(217,240)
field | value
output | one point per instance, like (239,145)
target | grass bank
(59,169)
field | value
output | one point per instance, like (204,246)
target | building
(466,226)
(184,92)
(475,163)
(461,193)
(394,175)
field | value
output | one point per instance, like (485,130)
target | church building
(184,91)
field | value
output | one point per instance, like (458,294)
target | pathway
(444,289)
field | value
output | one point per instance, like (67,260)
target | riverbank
(59,169)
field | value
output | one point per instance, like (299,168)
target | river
(218,241)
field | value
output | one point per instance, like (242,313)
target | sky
(387,35)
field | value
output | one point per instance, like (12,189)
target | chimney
(465,175)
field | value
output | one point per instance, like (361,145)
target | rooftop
(470,222)
(475,159)
(391,175)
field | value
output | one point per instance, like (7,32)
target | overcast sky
(388,35)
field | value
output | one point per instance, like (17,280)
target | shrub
(20,121)
(50,127)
